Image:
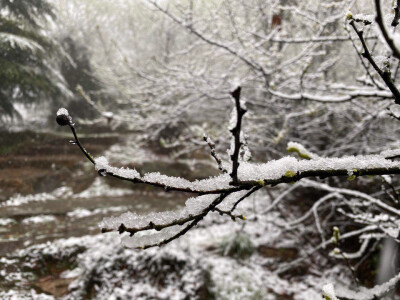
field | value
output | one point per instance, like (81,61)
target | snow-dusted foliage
(345,111)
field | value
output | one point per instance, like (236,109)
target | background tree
(28,71)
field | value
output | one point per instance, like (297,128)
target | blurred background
(143,81)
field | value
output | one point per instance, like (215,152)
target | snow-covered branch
(244,179)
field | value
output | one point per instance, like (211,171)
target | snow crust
(276,169)
(272,170)
(193,206)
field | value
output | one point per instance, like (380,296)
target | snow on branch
(225,192)
(320,39)
(334,98)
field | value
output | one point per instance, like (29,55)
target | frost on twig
(214,153)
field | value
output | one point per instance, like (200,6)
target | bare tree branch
(384,74)
(389,40)
(236,131)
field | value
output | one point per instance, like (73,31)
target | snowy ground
(220,259)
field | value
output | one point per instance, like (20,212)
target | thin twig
(214,153)
(361,58)
(396,16)
(192,224)
(385,75)
(229,213)
(254,189)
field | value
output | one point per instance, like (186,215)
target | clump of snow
(101,164)
(18,199)
(108,114)
(62,111)
(39,219)
(301,150)
(210,184)
(387,178)
(196,205)
(6,221)
(79,213)
(364,18)
(390,153)
(329,291)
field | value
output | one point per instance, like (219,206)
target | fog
(199,149)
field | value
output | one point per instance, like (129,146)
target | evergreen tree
(27,72)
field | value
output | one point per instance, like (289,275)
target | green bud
(336,235)
(290,174)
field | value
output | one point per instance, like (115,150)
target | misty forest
(200,149)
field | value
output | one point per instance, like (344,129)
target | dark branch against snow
(236,132)
(388,38)
(396,16)
(385,74)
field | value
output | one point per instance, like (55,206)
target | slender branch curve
(384,74)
